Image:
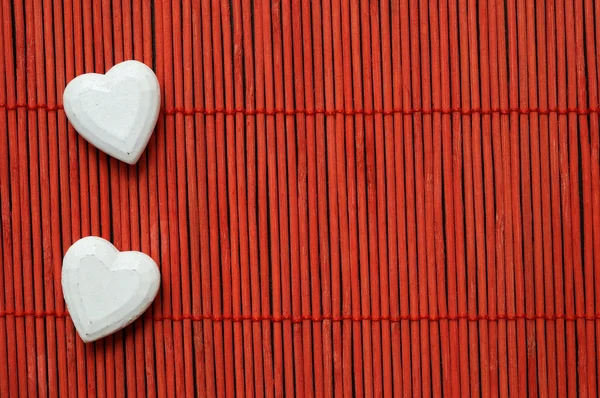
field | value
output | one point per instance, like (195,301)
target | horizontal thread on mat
(346,112)
(320,318)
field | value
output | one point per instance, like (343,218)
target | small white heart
(105,290)
(115,112)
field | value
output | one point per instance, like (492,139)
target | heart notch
(116,112)
(105,289)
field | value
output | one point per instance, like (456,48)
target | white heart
(105,290)
(115,112)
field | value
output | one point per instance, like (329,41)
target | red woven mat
(345,197)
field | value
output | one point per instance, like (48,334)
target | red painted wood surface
(345,197)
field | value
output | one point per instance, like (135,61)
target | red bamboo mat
(345,197)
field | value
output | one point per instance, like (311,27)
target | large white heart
(115,112)
(105,290)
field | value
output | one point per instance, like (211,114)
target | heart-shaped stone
(115,112)
(105,290)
